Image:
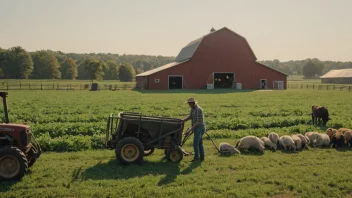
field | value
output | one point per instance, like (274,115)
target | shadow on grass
(5,186)
(196,91)
(116,171)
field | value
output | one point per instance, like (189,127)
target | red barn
(220,59)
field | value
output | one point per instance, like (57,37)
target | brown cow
(320,113)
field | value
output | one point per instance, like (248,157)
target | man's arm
(187,118)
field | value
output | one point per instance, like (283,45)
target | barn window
(157,80)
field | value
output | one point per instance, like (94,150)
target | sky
(275,29)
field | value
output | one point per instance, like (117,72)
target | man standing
(198,127)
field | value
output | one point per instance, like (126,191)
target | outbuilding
(220,59)
(338,76)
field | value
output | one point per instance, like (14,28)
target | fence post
(313,86)
(349,88)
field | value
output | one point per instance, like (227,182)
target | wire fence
(65,86)
(320,87)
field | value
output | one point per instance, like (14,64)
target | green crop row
(68,121)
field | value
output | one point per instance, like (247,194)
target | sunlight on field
(76,120)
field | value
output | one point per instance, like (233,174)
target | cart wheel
(175,155)
(129,150)
(148,152)
(166,152)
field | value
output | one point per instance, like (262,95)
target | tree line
(17,63)
(308,67)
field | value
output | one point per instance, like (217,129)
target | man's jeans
(198,142)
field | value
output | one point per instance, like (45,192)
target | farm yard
(70,127)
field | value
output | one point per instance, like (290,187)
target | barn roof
(188,51)
(158,69)
(338,73)
(271,68)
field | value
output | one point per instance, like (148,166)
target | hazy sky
(282,29)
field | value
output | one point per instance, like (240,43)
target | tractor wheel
(148,152)
(129,150)
(175,155)
(13,163)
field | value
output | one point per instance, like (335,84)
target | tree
(94,69)
(111,70)
(16,63)
(126,72)
(46,65)
(312,68)
(69,69)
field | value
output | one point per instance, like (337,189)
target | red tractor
(18,148)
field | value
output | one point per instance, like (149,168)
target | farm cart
(134,136)
(18,148)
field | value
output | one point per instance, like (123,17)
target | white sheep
(312,137)
(304,141)
(298,142)
(322,140)
(261,141)
(308,140)
(228,148)
(249,142)
(269,143)
(287,142)
(274,137)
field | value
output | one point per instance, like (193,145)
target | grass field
(75,121)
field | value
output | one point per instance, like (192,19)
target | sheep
(322,140)
(348,138)
(343,130)
(312,137)
(249,142)
(225,147)
(338,140)
(269,143)
(287,142)
(274,137)
(304,141)
(261,142)
(308,140)
(330,132)
(298,142)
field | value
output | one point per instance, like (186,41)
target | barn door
(263,84)
(281,85)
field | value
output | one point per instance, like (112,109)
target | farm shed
(338,76)
(220,59)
